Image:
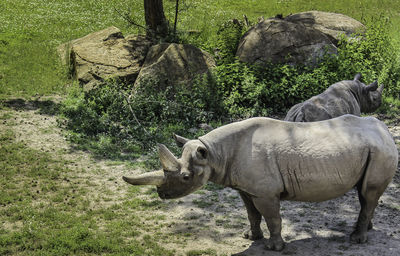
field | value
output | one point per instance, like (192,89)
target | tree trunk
(156,23)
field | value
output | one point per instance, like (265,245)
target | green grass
(205,16)
(44,211)
(390,110)
(31,30)
(210,252)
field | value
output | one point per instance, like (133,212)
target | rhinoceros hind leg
(368,198)
(254,233)
(368,205)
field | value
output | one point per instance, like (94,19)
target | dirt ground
(213,219)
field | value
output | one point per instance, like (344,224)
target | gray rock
(105,54)
(171,64)
(301,38)
(334,25)
(279,41)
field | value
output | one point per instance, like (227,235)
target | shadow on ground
(336,245)
(322,227)
(44,106)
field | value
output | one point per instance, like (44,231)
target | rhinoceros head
(178,177)
(370,96)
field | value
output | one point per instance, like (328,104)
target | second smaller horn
(168,161)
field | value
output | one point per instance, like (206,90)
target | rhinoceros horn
(380,89)
(150,178)
(373,86)
(180,141)
(357,77)
(168,161)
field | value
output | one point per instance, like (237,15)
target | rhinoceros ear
(180,141)
(357,77)
(373,86)
(201,153)
(201,158)
(168,161)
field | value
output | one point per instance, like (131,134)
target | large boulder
(334,25)
(105,54)
(279,41)
(171,64)
(301,38)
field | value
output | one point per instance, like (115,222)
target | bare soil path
(211,221)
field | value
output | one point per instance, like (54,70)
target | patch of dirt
(212,220)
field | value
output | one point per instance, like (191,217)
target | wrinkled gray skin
(345,97)
(269,160)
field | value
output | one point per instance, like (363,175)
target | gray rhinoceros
(344,97)
(268,160)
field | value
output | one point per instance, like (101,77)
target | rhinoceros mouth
(164,195)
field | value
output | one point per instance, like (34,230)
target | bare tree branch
(127,17)
(128,103)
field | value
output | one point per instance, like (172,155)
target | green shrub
(260,91)
(375,56)
(227,41)
(114,119)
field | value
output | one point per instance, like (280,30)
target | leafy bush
(115,120)
(375,56)
(259,91)
(227,41)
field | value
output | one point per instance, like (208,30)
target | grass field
(31,30)
(45,210)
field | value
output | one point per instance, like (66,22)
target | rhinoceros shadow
(336,245)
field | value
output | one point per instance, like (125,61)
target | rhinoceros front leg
(254,233)
(269,208)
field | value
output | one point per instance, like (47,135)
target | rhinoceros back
(313,161)
(323,160)
(339,99)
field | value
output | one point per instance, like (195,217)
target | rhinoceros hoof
(249,234)
(275,244)
(358,237)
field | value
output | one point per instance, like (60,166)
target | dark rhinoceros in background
(269,160)
(344,97)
